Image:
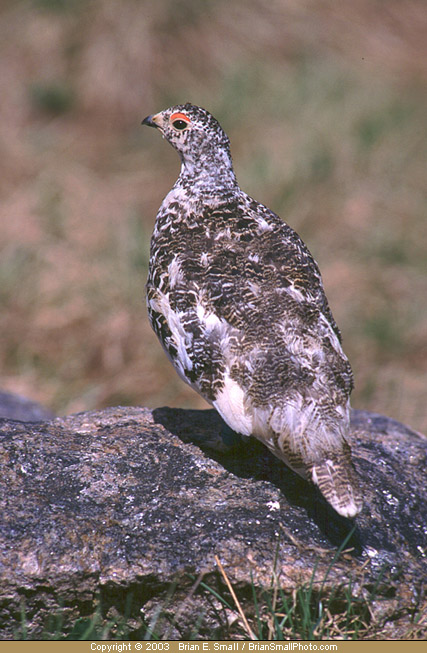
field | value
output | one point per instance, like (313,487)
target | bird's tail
(337,480)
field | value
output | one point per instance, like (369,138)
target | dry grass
(325,105)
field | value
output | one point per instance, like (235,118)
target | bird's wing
(248,258)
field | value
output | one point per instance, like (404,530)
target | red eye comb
(180,116)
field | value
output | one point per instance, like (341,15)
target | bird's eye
(180,121)
(180,124)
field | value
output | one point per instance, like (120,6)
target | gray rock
(126,500)
(15,407)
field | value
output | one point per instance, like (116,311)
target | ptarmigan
(237,302)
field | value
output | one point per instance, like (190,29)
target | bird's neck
(209,174)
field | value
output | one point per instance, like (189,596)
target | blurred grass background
(326,107)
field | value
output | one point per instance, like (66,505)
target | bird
(237,301)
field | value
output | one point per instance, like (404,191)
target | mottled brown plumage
(237,301)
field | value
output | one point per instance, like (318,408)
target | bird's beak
(152,121)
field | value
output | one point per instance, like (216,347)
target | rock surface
(97,505)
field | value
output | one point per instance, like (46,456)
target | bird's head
(197,136)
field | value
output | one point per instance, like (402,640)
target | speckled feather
(237,301)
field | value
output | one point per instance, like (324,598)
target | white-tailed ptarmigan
(237,302)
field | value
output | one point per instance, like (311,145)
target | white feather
(231,406)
